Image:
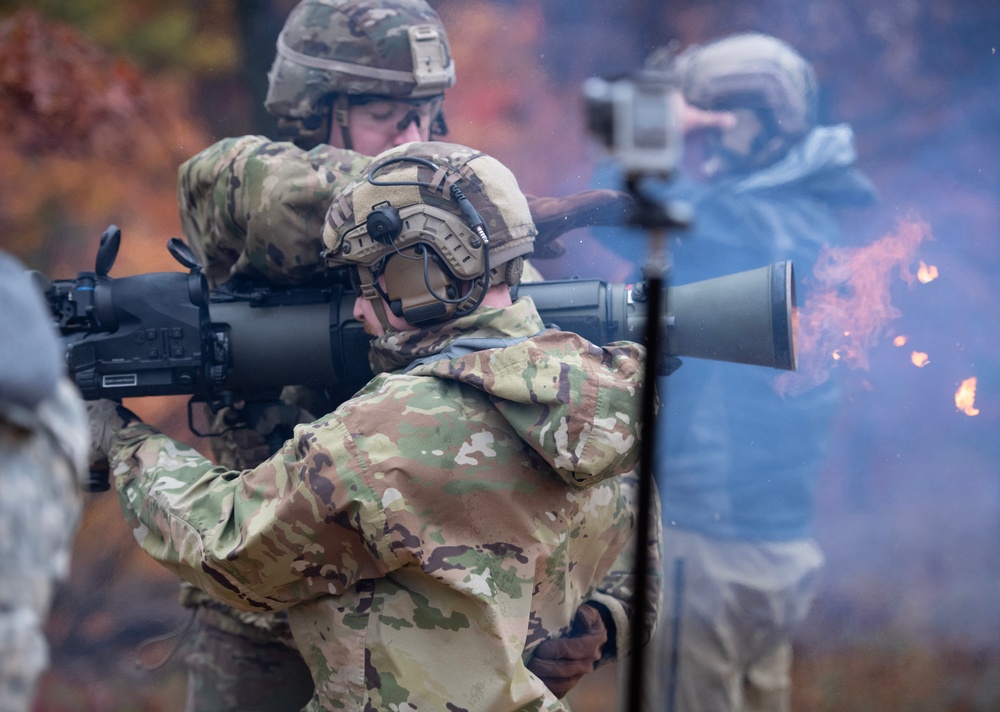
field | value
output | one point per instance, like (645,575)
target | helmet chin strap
(370,292)
(339,112)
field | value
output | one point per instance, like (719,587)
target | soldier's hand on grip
(106,418)
(561,663)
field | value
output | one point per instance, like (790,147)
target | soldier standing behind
(345,85)
(43,452)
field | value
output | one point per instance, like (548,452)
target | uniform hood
(575,404)
(821,164)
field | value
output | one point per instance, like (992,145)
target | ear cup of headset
(408,296)
(383,223)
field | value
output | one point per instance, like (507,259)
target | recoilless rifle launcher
(167,333)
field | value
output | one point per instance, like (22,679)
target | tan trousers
(728,611)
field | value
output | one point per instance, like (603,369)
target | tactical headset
(436,263)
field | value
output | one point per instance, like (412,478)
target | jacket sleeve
(303,523)
(256,207)
(614,594)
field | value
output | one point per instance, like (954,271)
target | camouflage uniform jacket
(256,207)
(43,454)
(432,530)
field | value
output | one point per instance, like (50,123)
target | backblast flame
(850,304)
(965,397)
(926,274)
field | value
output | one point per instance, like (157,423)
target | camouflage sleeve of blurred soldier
(43,451)
(255,207)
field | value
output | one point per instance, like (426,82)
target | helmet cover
(396,49)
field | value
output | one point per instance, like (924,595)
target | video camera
(634,118)
(167,333)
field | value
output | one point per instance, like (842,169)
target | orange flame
(919,359)
(850,304)
(965,397)
(899,340)
(926,274)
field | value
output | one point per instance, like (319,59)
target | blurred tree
(89,140)
(259,23)
(189,35)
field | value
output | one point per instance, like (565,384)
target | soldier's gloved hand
(589,208)
(106,418)
(272,426)
(561,663)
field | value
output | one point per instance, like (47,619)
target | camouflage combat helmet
(329,50)
(757,73)
(442,222)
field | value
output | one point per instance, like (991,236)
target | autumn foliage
(89,140)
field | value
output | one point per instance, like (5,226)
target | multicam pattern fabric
(256,207)
(326,46)
(43,454)
(617,590)
(224,224)
(239,659)
(236,665)
(430,532)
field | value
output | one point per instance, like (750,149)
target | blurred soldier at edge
(43,453)
(421,566)
(344,86)
(740,462)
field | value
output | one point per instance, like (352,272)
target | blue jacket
(736,460)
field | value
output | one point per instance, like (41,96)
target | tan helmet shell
(752,71)
(431,217)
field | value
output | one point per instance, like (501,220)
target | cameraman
(432,531)
(43,445)
(741,462)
